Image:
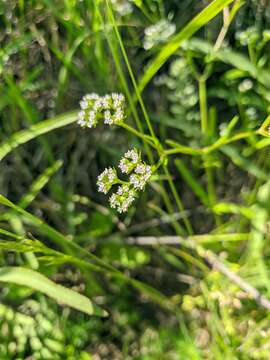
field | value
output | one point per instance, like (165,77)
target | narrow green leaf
(244,163)
(39,183)
(75,252)
(169,49)
(262,143)
(179,148)
(265,127)
(36,130)
(226,55)
(231,57)
(38,282)
(192,182)
(231,208)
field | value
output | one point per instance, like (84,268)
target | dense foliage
(180,271)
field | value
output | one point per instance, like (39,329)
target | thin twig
(253,293)
(178,240)
(224,29)
(212,259)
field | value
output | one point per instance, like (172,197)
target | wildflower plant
(109,108)
(127,191)
(158,33)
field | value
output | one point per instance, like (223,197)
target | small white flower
(106,101)
(122,199)
(83,104)
(129,161)
(122,190)
(142,169)
(124,165)
(118,100)
(122,7)
(142,174)
(118,116)
(92,119)
(118,105)
(106,179)
(109,107)
(108,117)
(133,155)
(91,97)
(81,118)
(98,104)
(158,33)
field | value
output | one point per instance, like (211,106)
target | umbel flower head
(109,108)
(129,161)
(106,180)
(123,198)
(140,173)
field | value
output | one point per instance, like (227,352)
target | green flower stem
(121,75)
(223,141)
(156,145)
(203,105)
(162,162)
(140,135)
(182,149)
(177,198)
(131,74)
(122,182)
(204,128)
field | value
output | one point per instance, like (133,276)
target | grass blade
(169,49)
(38,282)
(22,137)
(39,183)
(244,163)
(192,182)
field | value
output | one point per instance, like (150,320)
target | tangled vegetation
(134,180)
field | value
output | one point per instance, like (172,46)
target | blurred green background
(54,52)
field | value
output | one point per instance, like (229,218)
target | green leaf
(76,252)
(169,49)
(231,57)
(262,143)
(36,130)
(38,282)
(264,129)
(192,182)
(39,183)
(243,163)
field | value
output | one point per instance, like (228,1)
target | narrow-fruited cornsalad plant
(110,108)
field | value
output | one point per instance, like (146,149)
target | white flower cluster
(106,180)
(123,7)
(110,108)
(123,198)
(140,174)
(158,33)
(129,161)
